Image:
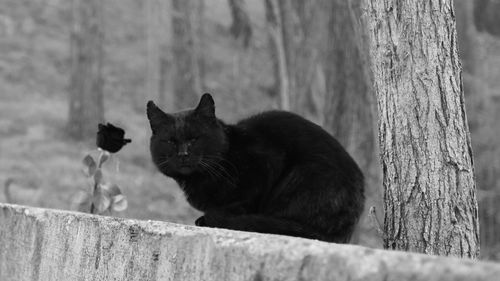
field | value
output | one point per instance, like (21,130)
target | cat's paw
(200,221)
(212,219)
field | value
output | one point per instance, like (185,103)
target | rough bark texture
(430,194)
(41,244)
(349,102)
(86,108)
(187,53)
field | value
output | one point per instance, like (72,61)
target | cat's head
(181,142)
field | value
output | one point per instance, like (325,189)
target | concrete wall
(43,244)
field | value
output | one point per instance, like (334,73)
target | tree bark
(430,193)
(187,53)
(86,108)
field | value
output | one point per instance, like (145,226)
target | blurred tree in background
(241,26)
(300,40)
(274,23)
(479,46)
(86,107)
(187,23)
(349,108)
(159,57)
(487,16)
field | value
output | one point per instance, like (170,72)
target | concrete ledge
(43,244)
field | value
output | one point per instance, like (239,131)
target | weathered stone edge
(48,244)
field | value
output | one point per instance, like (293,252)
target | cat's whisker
(212,171)
(218,171)
(216,159)
(220,168)
(222,159)
(163,163)
(207,168)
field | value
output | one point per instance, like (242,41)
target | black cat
(274,172)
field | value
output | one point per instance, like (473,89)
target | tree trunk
(466,33)
(347,112)
(277,49)
(159,59)
(430,194)
(241,27)
(188,70)
(487,16)
(300,42)
(349,103)
(478,51)
(86,108)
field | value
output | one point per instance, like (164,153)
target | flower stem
(99,164)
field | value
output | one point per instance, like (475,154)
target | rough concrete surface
(44,244)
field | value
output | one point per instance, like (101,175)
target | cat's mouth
(185,169)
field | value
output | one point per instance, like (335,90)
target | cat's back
(302,141)
(290,131)
(283,121)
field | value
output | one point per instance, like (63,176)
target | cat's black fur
(274,172)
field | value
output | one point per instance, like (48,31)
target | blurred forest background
(67,65)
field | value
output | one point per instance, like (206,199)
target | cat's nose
(183,150)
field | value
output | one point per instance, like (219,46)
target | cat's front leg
(216,218)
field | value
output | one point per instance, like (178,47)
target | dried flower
(111,138)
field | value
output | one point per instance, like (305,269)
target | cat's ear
(156,116)
(206,107)
(153,111)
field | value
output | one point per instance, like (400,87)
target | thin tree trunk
(349,103)
(466,33)
(430,193)
(347,112)
(480,84)
(187,53)
(241,30)
(241,27)
(86,108)
(153,52)
(275,27)
(159,59)
(304,43)
(299,39)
